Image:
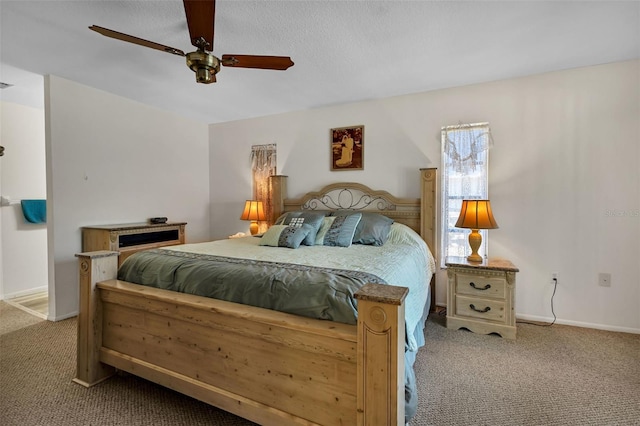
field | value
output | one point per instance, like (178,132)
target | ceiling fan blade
(200,19)
(135,40)
(256,61)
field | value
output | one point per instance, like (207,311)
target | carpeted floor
(12,319)
(549,376)
(557,375)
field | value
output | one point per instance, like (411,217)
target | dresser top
(126,226)
(491,264)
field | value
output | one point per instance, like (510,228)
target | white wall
(566,154)
(112,160)
(23,253)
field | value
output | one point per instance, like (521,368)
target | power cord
(555,286)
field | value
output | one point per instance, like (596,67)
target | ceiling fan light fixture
(204,76)
(205,65)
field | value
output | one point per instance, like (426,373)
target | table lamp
(253,211)
(474,215)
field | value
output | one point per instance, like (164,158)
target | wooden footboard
(269,367)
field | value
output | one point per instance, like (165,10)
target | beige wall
(112,160)
(564,176)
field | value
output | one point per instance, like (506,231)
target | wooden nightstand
(481,296)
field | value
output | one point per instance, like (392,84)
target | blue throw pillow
(341,231)
(326,224)
(373,229)
(285,236)
(313,219)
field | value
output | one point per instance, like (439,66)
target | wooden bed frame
(269,367)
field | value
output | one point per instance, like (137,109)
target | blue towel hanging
(34,211)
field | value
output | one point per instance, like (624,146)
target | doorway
(24,276)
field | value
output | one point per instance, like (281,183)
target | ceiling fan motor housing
(205,65)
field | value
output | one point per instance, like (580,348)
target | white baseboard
(579,324)
(21,293)
(63,317)
(571,323)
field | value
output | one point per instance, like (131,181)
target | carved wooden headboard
(417,213)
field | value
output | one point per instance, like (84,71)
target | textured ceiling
(344,51)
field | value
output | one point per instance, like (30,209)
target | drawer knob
(486,287)
(482,311)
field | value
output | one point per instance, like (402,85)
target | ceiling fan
(200,20)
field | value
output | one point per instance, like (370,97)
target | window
(465,165)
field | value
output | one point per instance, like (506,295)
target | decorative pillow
(326,224)
(313,219)
(341,231)
(285,236)
(373,229)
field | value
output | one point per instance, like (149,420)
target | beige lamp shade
(476,214)
(253,211)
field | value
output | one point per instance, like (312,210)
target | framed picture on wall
(347,148)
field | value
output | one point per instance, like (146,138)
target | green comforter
(310,291)
(317,282)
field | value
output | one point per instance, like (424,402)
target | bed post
(428,208)
(428,215)
(278,185)
(381,342)
(94,267)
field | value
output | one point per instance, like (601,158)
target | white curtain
(465,167)
(464,144)
(263,165)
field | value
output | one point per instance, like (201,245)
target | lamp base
(475,240)
(477,258)
(253,228)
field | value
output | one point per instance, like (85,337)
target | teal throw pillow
(373,229)
(285,236)
(313,219)
(341,231)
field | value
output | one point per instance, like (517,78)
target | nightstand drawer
(487,309)
(478,285)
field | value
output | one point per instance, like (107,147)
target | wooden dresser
(481,296)
(129,238)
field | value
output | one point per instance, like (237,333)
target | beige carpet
(557,375)
(549,376)
(12,319)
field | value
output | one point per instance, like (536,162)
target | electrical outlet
(604,279)
(554,278)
